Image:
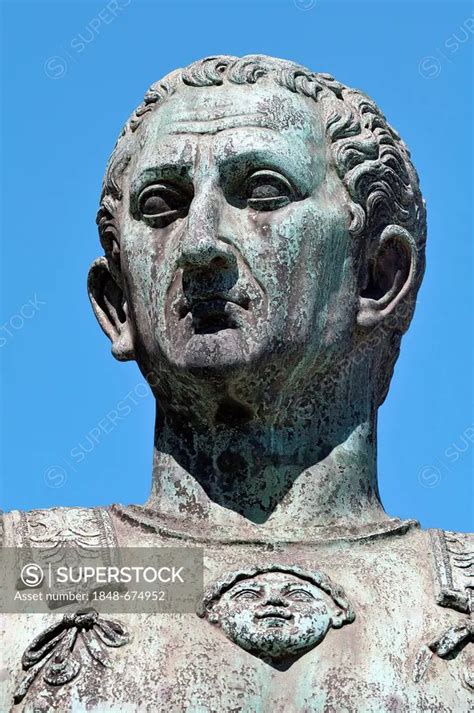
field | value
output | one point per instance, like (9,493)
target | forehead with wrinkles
(267,121)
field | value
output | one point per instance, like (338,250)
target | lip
(212,316)
(212,302)
(214,312)
(276,614)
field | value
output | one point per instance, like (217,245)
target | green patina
(264,236)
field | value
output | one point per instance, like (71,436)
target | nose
(202,243)
(275,599)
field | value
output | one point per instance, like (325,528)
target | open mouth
(213,314)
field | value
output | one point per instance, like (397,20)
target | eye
(246,594)
(299,595)
(161,204)
(267,190)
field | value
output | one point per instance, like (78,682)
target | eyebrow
(167,170)
(269,150)
(251,585)
(295,585)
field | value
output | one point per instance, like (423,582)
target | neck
(273,475)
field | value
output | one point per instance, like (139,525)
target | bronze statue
(264,237)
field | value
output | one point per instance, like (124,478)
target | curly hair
(370,158)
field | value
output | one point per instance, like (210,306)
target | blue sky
(76,70)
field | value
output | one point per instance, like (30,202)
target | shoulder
(452,560)
(453,563)
(54,527)
(447,558)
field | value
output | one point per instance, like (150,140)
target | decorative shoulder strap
(454,566)
(57,655)
(57,527)
(61,536)
(453,554)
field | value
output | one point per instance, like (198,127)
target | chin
(217,354)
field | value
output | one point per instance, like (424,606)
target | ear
(110,309)
(339,618)
(390,276)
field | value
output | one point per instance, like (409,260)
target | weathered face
(235,246)
(275,615)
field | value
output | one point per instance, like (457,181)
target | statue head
(276,612)
(261,223)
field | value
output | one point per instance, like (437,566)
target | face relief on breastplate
(275,612)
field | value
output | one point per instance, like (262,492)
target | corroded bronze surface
(264,237)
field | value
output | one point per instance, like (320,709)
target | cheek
(138,253)
(147,264)
(309,620)
(321,293)
(302,255)
(236,619)
(282,248)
